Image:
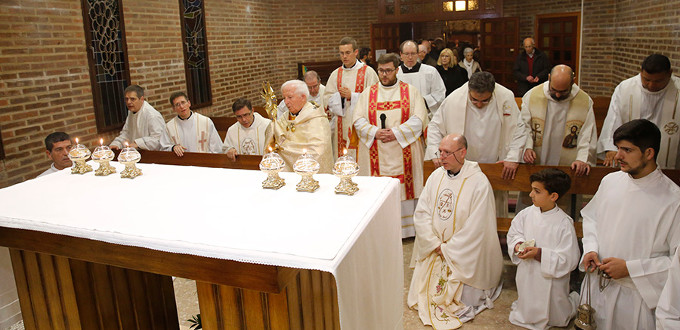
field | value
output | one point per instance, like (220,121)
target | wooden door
(558,36)
(499,48)
(385,36)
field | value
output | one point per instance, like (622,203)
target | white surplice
(50,170)
(543,287)
(554,129)
(390,154)
(631,101)
(249,140)
(637,220)
(457,214)
(144,128)
(668,309)
(343,109)
(196,133)
(429,84)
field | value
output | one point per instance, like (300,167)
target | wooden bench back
(222,123)
(600,108)
(324,69)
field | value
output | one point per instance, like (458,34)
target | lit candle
(101,142)
(270,149)
(304,151)
(344,152)
(76,140)
(127,145)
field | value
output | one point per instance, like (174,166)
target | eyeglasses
(386,71)
(474,100)
(179,104)
(441,154)
(409,54)
(244,116)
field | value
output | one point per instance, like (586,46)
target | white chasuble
(560,132)
(196,133)
(668,309)
(402,110)
(455,213)
(543,287)
(357,79)
(249,140)
(637,220)
(144,128)
(632,101)
(307,132)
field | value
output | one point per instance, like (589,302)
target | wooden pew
(324,69)
(585,185)
(600,108)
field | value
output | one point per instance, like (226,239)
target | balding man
(653,95)
(303,128)
(424,54)
(422,76)
(559,119)
(531,67)
(457,257)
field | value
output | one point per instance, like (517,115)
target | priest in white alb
(250,134)
(653,95)
(631,230)
(189,131)
(342,94)
(457,256)
(144,125)
(389,120)
(486,113)
(424,77)
(303,129)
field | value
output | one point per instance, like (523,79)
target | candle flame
(304,151)
(76,140)
(344,152)
(127,145)
(101,142)
(270,149)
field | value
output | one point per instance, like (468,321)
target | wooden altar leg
(61,293)
(308,302)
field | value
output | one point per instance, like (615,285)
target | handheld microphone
(383,117)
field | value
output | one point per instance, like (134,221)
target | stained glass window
(108,63)
(192,17)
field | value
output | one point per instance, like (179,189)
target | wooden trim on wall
(2,149)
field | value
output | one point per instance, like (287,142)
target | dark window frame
(115,112)
(200,96)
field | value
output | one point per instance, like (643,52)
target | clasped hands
(530,252)
(581,168)
(385,135)
(614,267)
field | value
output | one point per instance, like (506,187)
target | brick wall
(44,79)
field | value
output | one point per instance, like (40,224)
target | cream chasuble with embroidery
(308,131)
(357,79)
(251,140)
(197,133)
(560,132)
(457,214)
(631,101)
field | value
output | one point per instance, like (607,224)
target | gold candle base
(80,167)
(273,181)
(104,169)
(346,186)
(131,171)
(307,184)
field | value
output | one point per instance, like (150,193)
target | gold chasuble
(309,131)
(345,130)
(576,116)
(397,104)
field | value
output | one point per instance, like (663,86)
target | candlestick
(79,155)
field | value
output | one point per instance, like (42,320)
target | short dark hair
(656,63)
(240,103)
(554,180)
(175,95)
(349,41)
(389,58)
(55,137)
(640,132)
(363,51)
(135,88)
(482,82)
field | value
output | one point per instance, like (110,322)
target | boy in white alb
(542,242)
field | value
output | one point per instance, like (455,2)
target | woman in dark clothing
(452,74)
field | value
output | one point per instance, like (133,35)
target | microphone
(383,117)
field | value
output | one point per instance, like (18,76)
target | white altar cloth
(356,238)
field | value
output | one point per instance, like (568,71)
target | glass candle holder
(272,164)
(306,166)
(129,156)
